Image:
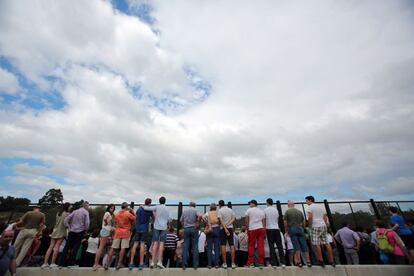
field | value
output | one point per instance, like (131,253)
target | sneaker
(333,264)
(131,266)
(321,263)
(260,266)
(196,267)
(53,266)
(159,265)
(140,267)
(209,266)
(283,266)
(233,266)
(224,265)
(309,264)
(106,267)
(251,266)
(151,265)
(216,266)
(274,266)
(44,266)
(184,267)
(119,266)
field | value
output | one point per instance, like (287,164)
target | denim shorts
(159,235)
(105,233)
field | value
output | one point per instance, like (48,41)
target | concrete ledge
(359,270)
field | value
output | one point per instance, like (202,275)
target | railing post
(132,205)
(279,210)
(329,214)
(375,208)
(229,205)
(180,212)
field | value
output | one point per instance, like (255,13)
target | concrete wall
(361,270)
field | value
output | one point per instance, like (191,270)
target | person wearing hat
(7,252)
(255,221)
(123,220)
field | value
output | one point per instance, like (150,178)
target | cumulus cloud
(8,82)
(307,98)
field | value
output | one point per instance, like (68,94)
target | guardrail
(358,213)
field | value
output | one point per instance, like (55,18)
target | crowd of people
(126,238)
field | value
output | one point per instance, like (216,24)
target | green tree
(52,197)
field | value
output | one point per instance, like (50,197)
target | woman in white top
(213,236)
(106,232)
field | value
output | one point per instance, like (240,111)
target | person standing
(294,223)
(7,252)
(31,222)
(58,235)
(170,247)
(123,220)
(213,237)
(93,242)
(350,241)
(273,234)
(106,232)
(243,247)
(77,223)
(142,234)
(227,218)
(405,233)
(318,221)
(189,220)
(255,221)
(159,234)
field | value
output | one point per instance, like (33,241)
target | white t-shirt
(226,215)
(201,242)
(92,245)
(272,218)
(289,244)
(256,216)
(108,218)
(329,238)
(318,213)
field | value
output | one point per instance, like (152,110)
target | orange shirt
(123,224)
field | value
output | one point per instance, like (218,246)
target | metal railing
(357,213)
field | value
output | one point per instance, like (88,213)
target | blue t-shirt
(402,229)
(142,221)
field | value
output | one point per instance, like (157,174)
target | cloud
(8,82)
(306,99)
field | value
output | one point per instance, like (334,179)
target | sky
(115,101)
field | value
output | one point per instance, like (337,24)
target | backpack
(384,243)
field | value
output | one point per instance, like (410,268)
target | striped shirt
(171,241)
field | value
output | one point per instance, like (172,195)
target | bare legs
(102,244)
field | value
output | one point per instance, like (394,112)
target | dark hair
(148,201)
(359,229)
(380,223)
(310,198)
(269,201)
(95,232)
(393,209)
(221,203)
(162,200)
(253,201)
(108,208)
(124,205)
(345,223)
(65,208)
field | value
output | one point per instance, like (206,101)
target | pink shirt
(392,239)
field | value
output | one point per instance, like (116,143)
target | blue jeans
(297,235)
(213,243)
(190,236)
